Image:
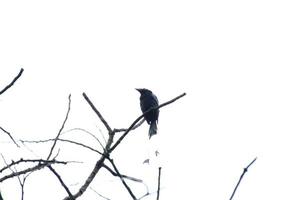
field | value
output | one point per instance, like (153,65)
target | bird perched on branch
(148,100)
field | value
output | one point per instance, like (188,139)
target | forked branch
(109,148)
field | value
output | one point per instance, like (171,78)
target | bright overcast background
(238,62)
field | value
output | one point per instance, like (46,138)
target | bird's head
(143,91)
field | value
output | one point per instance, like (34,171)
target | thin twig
(100,195)
(13,163)
(25,171)
(61,128)
(123,176)
(62,140)
(61,182)
(158,183)
(88,132)
(123,181)
(5,131)
(13,82)
(97,113)
(103,137)
(132,179)
(241,177)
(148,193)
(140,117)
(22,183)
(116,130)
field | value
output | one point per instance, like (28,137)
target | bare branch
(241,177)
(125,129)
(123,176)
(101,133)
(94,172)
(123,181)
(25,171)
(13,163)
(97,113)
(9,136)
(140,117)
(147,194)
(61,182)
(158,185)
(63,140)
(61,128)
(88,132)
(108,149)
(21,182)
(13,82)
(100,195)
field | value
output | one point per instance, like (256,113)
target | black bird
(148,100)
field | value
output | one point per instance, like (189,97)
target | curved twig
(61,128)
(13,82)
(94,172)
(241,177)
(123,176)
(63,140)
(85,131)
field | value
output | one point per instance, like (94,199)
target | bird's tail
(152,129)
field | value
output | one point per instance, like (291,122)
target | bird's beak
(138,89)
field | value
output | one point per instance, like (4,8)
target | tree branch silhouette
(241,177)
(14,163)
(61,128)
(158,183)
(41,163)
(122,175)
(104,153)
(100,195)
(109,148)
(12,82)
(116,130)
(61,182)
(97,113)
(122,179)
(13,170)
(11,137)
(63,140)
(4,90)
(30,169)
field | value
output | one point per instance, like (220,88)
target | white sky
(238,61)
